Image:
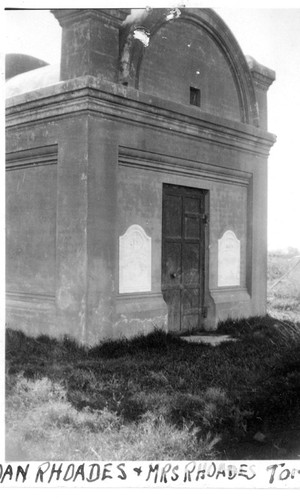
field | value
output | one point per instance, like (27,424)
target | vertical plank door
(183,255)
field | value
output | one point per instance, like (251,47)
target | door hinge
(205,218)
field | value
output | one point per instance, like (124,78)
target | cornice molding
(89,95)
(261,81)
(29,300)
(262,76)
(33,157)
(145,160)
(67,17)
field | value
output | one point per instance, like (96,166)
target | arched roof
(136,36)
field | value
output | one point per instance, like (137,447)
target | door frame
(204,271)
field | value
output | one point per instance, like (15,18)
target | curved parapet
(173,52)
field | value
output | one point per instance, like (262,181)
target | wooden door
(183,255)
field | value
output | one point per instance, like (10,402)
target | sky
(270,35)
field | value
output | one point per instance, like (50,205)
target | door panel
(172,298)
(191,205)
(173,215)
(189,322)
(172,264)
(190,301)
(191,226)
(190,264)
(183,248)
(190,308)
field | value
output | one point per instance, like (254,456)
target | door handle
(173,275)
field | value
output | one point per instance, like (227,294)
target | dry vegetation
(159,397)
(284,294)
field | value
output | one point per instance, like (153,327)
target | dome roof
(32,80)
(15,64)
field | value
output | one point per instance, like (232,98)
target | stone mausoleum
(137,177)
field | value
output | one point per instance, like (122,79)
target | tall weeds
(152,397)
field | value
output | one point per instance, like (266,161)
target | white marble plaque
(229,259)
(134,261)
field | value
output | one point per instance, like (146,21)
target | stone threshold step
(209,339)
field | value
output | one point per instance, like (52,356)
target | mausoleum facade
(137,178)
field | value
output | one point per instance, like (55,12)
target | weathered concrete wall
(31,199)
(140,202)
(101,228)
(31,228)
(72,206)
(90,42)
(88,159)
(110,174)
(181,56)
(227,209)
(46,223)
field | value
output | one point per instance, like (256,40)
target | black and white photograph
(152,245)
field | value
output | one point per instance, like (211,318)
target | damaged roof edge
(255,67)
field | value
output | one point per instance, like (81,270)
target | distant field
(284,295)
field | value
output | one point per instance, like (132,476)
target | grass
(156,397)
